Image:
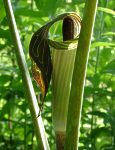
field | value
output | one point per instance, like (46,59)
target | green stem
(29,91)
(93,119)
(79,73)
(25,130)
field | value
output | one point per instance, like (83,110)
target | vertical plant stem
(93,118)
(32,140)
(29,91)
(79,73)
(25,130)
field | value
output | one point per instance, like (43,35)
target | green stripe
(59,45)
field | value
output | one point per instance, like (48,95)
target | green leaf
(107,147)
(99,114)
(2,10)
(5,34)
(102,130)
(96,80)
(97,44)
(109,68)
(109,33)
(28,12)
(48,6)
(4,79)
(107,10)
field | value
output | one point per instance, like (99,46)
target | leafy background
(98,115)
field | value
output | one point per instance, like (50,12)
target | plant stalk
(93,118)
(29,91)
(79,73)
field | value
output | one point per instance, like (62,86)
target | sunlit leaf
(107,10)
(109,33)
(2,10)
(96,44)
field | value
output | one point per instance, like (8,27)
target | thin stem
(93,119)
(32,140)
(99,36)
(25,130)
(29,91)
(79,73)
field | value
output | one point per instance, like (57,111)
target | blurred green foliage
(98,116)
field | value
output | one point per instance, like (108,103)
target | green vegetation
(97,124)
